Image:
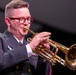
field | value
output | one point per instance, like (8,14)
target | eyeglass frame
(30,19)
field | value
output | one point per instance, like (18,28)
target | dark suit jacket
(14,59)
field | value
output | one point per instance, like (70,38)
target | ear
(7,21)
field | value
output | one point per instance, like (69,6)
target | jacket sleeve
(9,58)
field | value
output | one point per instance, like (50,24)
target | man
(16,58)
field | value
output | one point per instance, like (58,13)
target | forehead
(21,12)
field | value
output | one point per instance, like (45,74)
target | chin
(24,33)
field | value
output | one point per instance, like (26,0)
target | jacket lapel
(12,42)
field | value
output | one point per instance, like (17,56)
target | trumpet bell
(71,57)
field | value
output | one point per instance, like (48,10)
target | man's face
(20,18)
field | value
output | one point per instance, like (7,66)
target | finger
(44,34)
(45,38)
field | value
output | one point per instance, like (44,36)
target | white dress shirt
(28,48)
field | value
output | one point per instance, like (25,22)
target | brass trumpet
(52,57)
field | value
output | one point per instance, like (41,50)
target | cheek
(28,26)
(14,26)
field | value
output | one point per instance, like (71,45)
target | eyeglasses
(23,19)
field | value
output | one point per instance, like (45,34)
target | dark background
(55,16)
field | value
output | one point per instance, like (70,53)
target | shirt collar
(19,40)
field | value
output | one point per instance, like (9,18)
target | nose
(26,22)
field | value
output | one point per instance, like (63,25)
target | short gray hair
(14,4)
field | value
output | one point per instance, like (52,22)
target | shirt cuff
(29,50)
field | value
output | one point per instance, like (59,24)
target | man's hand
(40,38)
